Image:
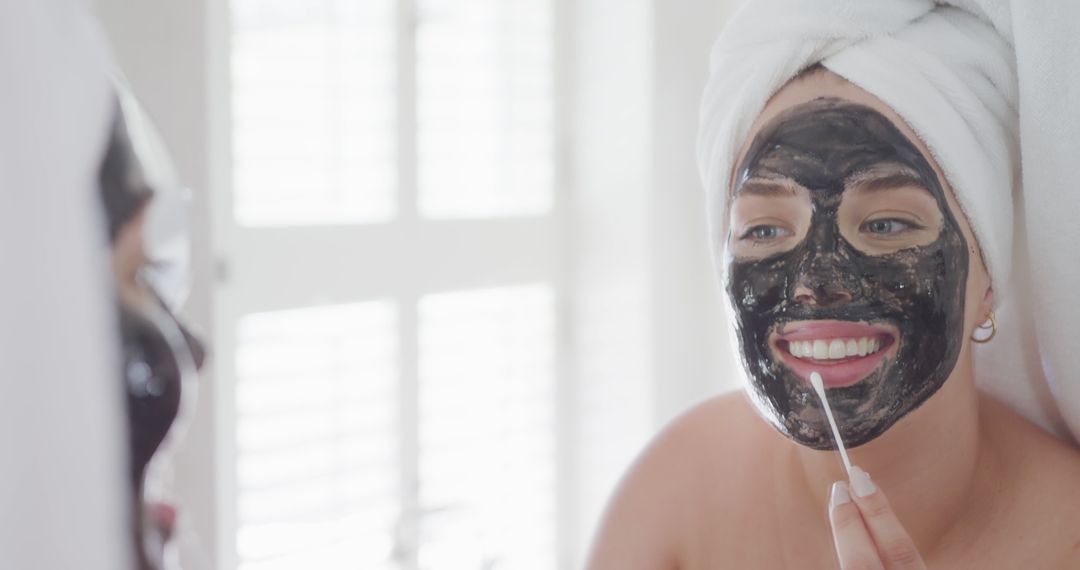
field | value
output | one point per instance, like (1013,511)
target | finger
(854,547)
(894,545)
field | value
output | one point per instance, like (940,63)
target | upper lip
(813,330)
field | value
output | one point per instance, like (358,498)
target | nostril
(821,297)
(804,295)
(835,297)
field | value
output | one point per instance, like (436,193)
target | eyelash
(910,226)
(748,235)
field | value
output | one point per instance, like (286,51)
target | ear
(987,303)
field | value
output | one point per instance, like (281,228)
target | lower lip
(837,373)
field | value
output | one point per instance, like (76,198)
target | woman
(161,358)
(852,250)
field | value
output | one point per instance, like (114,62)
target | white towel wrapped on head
(960,75)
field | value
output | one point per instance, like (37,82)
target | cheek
(756,286)
(922,287)
(903,277)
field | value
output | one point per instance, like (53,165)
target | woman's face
(844,256)
(159,355)
(155,361)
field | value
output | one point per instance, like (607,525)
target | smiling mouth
(843,352)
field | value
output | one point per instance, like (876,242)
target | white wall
(692,353)
(610,158)
(650,334)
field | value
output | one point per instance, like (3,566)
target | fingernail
(861,484)
(838,495)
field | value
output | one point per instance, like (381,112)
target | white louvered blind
(317,437)
(487,429)
(314,111)
(484,107)
(388,415)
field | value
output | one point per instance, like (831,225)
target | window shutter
(314,105)
(485,108)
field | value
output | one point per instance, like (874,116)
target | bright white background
(634,331)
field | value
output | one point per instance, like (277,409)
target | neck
(929,464)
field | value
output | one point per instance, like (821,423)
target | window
(487,429)
(484,86)
(317,436)
(388,327)
(314,111)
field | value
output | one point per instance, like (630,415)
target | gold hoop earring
(992,328)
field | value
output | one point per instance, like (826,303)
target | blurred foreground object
(61,429)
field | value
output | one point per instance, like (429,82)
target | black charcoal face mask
(916,292)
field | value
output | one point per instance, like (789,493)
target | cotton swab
(819,387)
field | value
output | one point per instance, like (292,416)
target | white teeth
(834,349)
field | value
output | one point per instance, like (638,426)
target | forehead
(822,84)
(827,143)
(819,84)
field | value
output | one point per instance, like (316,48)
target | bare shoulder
(691,467)
(1048,474)
(1051,470)
(712,443)
(719,435)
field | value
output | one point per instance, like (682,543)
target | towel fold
(973,78)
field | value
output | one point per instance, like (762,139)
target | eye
(763,233)
(886,227)
(149,265)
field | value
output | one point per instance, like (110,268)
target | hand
(866,532)
(156,538)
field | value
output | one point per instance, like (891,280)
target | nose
(822,275)
(822,280)
(827,295)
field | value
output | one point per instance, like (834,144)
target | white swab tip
(817,382)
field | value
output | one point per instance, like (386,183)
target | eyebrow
(872,182)
(768,187)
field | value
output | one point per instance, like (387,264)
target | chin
(864,409)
